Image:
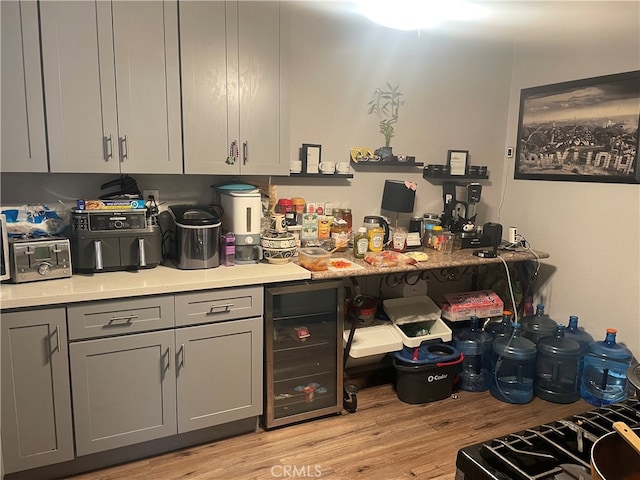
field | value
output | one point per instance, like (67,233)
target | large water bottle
(475,345)
(582,337)
(557,368)
(501,328)
(513,366)
(604,379)
(539,325)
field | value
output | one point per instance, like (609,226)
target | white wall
(591,230)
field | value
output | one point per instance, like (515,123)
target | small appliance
(243,216)
(34,259)
(107,241)
(197,236)
(460,214)
(373,219)
(4,249)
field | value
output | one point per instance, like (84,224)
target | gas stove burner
(559,450)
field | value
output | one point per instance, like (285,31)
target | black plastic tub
(430,377)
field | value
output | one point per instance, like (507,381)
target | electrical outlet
(147,194)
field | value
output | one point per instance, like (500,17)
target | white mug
(328,167)
(295,166)
(343,167)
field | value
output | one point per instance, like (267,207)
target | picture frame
(311,156)
(583,130)
(457,161)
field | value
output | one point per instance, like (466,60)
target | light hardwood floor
(385,439)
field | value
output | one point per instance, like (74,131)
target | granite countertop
(437,261)
(168,279)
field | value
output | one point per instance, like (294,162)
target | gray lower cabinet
(124,390)
(177,375)
(36,404)
(219,369)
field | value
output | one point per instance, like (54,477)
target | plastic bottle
(502,327)
(539,325)
(604,379)
(434,237)
(557,368)
(228,249)
(580,336)
(475,345)
(376,238)
(513,365)
(360,243)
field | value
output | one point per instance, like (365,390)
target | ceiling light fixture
(418,14)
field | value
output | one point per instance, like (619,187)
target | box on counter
(115,204)
(309,229)
(461,306)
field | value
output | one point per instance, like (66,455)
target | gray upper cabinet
(112,91)
(234,87)
(36,404)
(23,140)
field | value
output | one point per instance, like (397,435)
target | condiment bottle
(348,217)
(376,238)
(434,238)
(360,243)
(340,235)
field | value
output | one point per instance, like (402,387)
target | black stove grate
(547,450)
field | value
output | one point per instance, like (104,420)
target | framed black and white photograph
(583,130)
(311,157)
(457,161)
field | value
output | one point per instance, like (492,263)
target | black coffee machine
(459,213)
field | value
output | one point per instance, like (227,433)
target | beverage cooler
(303,351)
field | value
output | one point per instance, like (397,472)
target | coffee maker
(459,213)
(242,215)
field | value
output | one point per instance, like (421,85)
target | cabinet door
(260,94)
(232,64)
(219,369)
(23,135)
(145,36)
(206,100)
(115,405)
(77,55)
(36,404)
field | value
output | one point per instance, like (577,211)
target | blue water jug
(557,368)
(582,337)
(501,328)
(538,325)
(604,379)
(513,366)
(475,345)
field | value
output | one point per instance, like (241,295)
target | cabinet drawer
(117,317)
(218,305)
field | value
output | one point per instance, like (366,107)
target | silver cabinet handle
(168,358)
(97,245)
(184,356)
(124,148)
(143,255)
(215,308)
(108,147)
(245,152)
(125,319)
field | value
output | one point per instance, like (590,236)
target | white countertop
(162,279)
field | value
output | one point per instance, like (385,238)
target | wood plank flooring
(385,439)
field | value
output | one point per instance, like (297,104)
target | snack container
(314,259)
